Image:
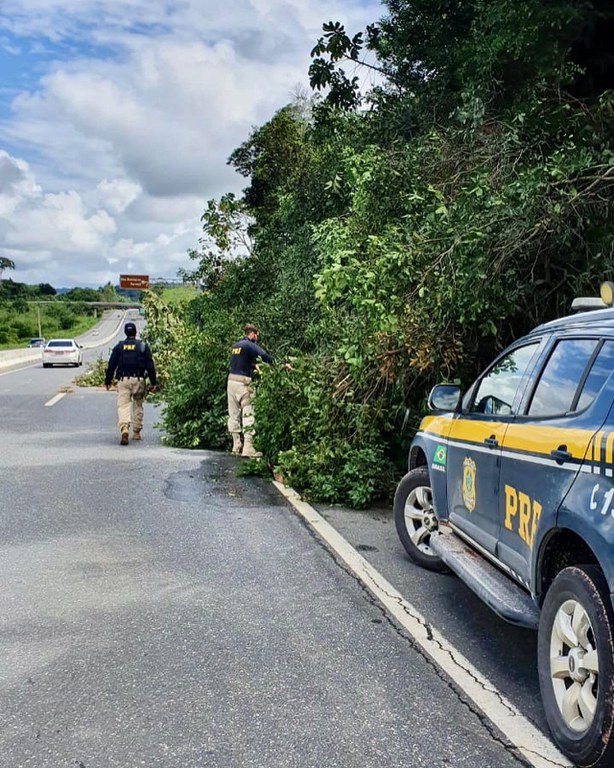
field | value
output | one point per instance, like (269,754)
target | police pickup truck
(511,487)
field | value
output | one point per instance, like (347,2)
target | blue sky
(117,117)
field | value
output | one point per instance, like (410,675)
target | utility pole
(38,315)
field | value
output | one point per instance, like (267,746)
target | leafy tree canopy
(443,53)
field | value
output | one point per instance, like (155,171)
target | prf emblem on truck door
(469,483)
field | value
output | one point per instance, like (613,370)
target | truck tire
(415,518)
(575,657)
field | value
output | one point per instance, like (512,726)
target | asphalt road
(157,610)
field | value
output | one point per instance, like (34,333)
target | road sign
(139,282)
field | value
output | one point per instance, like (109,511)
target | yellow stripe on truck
(541,439)
(520,436)
(465,430)
(436,425)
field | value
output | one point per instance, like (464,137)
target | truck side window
(498,388)
(598,375)
(556,389)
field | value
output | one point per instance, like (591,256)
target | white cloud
(116,195)
(59,223)
(16,183)
(114,150)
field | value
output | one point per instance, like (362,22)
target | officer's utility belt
(121,378)
(237,377)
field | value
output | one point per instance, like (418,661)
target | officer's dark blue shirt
(131,357)
(243,357)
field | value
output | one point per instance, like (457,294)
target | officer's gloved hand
(152,388)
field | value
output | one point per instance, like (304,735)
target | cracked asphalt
(159,611)
(505,654)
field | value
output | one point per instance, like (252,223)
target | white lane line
(536,748)
(56,398)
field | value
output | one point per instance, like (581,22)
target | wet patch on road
(366,548)
(216,478)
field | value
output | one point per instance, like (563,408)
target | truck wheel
(575,658)
(415,518)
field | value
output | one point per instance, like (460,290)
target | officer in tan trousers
(131,362)
(243,357)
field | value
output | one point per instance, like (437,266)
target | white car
(62,352)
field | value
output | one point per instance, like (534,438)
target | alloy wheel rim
(420,518)
(574,666)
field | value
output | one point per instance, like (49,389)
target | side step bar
(498,591)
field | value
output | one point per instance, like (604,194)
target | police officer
(241,392)
(130,362)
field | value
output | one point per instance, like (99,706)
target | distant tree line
(68,313)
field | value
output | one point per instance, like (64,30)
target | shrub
(194,414)
(326,443)
(94,375)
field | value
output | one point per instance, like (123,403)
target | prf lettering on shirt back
(521,514)
(236,350)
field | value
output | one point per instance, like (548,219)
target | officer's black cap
(130,329)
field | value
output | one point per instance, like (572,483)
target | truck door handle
(561,454)
(491,441)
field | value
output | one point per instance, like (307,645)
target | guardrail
(10,357)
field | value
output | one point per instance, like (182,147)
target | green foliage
(107,292)
(19,322)
(253,468)
(335,472)
(447,55)
(20,311)
(80,294)
(195,405)
(12,290)
(94,375)
(314,426)
(5,263)
(22,328)
(467,212)
(272,158)
(178,296)
(192,368)
(226,237)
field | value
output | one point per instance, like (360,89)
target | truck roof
(594,320)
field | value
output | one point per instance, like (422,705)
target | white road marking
(534,746)
(56,398)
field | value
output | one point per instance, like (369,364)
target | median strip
(530,742)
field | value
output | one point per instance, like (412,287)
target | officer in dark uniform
(243,357)
(130,362)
